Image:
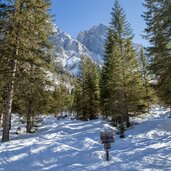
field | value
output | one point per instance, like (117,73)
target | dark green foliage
(121,80)
(62,100)
(5,11)
(121,131)
(26,28)
(149,92)
(87,91)
(158,32)
(31,96)
(119,25)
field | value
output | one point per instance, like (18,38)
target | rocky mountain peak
(69,51)
(89,43)
(94,39)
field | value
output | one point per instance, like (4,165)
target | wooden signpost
(106,138)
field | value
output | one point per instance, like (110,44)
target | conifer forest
(58,92)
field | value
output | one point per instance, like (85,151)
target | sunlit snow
(70,145)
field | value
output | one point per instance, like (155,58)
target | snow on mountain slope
(69,51)
(94,39)
(65,145)
(89,43)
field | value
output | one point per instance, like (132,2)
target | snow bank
(70,145)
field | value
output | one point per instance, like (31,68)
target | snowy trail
(67,145)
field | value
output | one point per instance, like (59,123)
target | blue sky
(73,16)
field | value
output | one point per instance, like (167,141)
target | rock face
(69,51)
(94,39)
(89,43)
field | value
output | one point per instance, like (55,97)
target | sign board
(107,146)
(107,137)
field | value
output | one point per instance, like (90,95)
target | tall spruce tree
(87,91)
(62,100)
(110,80)
(158,32)
(25,43)
(120,80)
(144,64)
(31,94)
(8,51)
(3,29)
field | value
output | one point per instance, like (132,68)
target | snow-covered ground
(70,145)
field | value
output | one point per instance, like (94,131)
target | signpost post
(106,138)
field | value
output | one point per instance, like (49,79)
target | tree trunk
(126,115)
(29,122)
(145,76)
(122,128)
(91,111)
(127,120)
(32,121)
(10,93)
(28,127)
(0,119)
(8,104)
(126,111)
(10,121)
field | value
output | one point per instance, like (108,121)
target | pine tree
(158,32)
(26,43)
(77,105)
(134,81)
(121,80)
(8,57)
(31,94)
(87,91)
(143,64)
(4,28)
(110,80)
(62,100)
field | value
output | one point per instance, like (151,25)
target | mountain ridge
(89,43)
